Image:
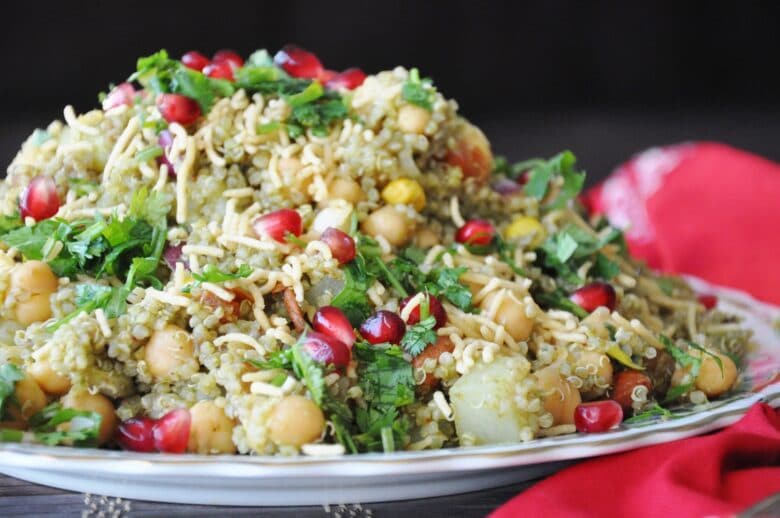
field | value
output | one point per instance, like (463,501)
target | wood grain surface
(19,498)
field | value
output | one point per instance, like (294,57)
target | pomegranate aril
(331,321)
(298,62)
(477,232)
(349,79)
(122,95)
(136,434)
(165,140)
(597,416)
(341,244)
(383,327)
(434,308)
(595,295)
(326,349)
(278,224)
(172,255)
(219,70)
(178,108)
(172,431)
(624,384)
(230,57)
(708,301)
(195,60)
(39,200)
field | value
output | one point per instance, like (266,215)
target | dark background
(604,79)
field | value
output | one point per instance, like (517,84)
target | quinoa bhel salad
(265,256)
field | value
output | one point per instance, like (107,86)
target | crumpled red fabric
(715,475)
(712,211)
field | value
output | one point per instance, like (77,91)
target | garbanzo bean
(296,420)
(167,350)
(389,223)
(83,400)
(49,380)
(34,282)
(426,238)
(211,431)
(510,314)
(346,189)
(561,397)
(711,380)
(30,397)
(413,119)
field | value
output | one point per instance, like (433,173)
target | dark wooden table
(19,498)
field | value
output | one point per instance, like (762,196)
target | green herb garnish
(419,336)
(418,91)
(541,173)
(9,375)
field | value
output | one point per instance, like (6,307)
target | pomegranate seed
(341,245)
(326,349)
(172,431)
(597,416)
(172,255)
(434,308)
(331,321)
(39,200)
(195,60)
(228,56)
(298,62)
(278,224)
(326,75)
(136,434)
(383,327)
(349,79)
(708,301)
(595,295)
(165,141)
(219,70)
(122,94)
(624,385)
(476,232)
(178,108)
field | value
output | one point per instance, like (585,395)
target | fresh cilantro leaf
(81,186)
(352,299)
(542,172)
(666,284)
(446,281)
(213,274)
(418,91)
(258,78)
(419,336)
(384,374)
(558,299)
(684,360)
(83,426)
(9,223)
(604,267)
(652,413)
(309,94)
(310,372)
(9,375)
(148,153)
(150,207)
(318,116)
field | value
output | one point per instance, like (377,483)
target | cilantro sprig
(685,360)
(418,91)
(9,375)
(542,172)
(419,336)
(45,427)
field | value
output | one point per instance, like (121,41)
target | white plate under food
(275,481)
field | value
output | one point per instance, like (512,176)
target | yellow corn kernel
(525,226)
(404,191)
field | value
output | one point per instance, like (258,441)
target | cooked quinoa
(174,249)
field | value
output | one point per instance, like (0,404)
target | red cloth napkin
(714,475)
(712,211)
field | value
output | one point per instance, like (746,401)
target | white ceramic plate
(254,480)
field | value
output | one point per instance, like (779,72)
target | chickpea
(83,400)
(561,396)
(389,223)
(167,350)
(35,281)
(30,397)
(711,380)
(346,189)
(510,314)
(413,119)
(296,420)
(49,380)
(426,238)
(211,431)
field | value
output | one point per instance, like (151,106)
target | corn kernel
(525,226)
(405,191)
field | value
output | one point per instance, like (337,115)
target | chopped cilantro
(685,360)
(543,171)
(565,251)
(418,91)
(9,223)
(653,412)
(82,430)
(213,274)
(9,375)
(419,336)
(81,186)
(148,153)
(309,94)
